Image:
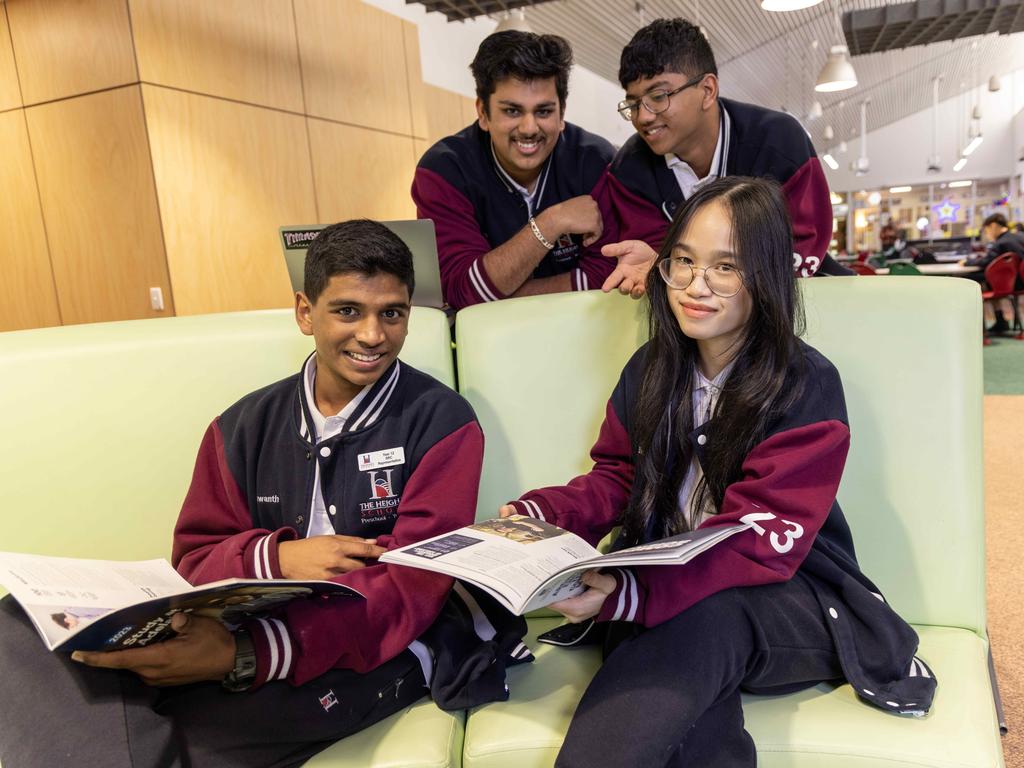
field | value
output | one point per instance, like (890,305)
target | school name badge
(384,496)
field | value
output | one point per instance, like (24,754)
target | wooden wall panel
(27,296)
(417,92)
(353,57)
(99,205)
(69,47)
(10,92)
(239,49)
(449,112)
(228,175)
(361,173)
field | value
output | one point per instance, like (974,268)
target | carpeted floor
(1004,366)
(1004,511)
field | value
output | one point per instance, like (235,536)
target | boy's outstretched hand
(203,649)
(630,275)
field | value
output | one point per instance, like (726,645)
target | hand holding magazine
(106,605)
(527,563)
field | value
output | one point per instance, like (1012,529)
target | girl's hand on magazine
(587,605)
(507,510)
(203,649)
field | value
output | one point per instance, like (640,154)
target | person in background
(724,417)
(996,231)
(686,136)
(893,247)
(510,194)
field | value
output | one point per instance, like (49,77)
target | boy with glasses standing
(687,136)
(510,194)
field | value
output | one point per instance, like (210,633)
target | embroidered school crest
(384,497)
(328,700)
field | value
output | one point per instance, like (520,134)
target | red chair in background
(1016,297)
(861,268)
(1001,275)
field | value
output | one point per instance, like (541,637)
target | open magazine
(106,605)
(527,563)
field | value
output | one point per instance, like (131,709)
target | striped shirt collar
(530,198)
(685,175)
(363,410)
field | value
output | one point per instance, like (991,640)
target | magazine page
(509,557)
(80,604)
(62,594)
(673,550)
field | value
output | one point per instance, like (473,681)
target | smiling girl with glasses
(725,416)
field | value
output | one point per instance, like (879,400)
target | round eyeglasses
(724,280)
(655,101)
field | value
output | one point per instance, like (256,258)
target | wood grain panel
(417,93)
(353,59)
(238,49)
(420,146)
(69,47)
(448,112)
(359,172)
(228,175)
(10,92)
(99,205)
(27,296)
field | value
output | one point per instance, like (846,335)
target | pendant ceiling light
(934,162)
(513,20)
(994,84)
(837,74)
(828,134)
(780,6)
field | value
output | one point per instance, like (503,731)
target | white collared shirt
(326,427)
(686,177)
(705,397)
(538,188)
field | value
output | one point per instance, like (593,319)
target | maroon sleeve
(626,215)
(591,504)
(311,636)
(214,537)
(789,485)
(460,244)
(810,209)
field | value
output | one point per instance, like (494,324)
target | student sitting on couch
(725,416)
(310,478)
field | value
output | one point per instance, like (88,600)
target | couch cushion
(822,726)
(422,736)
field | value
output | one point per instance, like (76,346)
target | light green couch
(102,422)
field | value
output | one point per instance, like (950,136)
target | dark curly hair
(361,246)
(666,45)
(524,56)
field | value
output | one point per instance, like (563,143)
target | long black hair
(757,387)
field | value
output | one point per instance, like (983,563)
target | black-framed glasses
(723,280)
(655,101)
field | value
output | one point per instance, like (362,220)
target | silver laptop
(418,234)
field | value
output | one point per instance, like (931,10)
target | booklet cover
(527,563)
(107,605)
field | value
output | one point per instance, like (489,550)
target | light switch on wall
(156,298)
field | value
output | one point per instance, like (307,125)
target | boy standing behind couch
(312,477)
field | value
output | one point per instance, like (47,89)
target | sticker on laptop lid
(389,457)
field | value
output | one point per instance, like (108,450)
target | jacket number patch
(781,544)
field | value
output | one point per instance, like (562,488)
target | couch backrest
(101,423)
(539,371)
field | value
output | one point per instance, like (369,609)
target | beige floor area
(1004,507)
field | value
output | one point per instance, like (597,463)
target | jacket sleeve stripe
(481,624)
(261,558)
(479,283)
(534,509)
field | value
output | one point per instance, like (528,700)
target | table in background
(949,270)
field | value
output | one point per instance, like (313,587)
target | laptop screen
(418,234)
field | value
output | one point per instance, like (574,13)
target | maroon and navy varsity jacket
(788,497)
(459,185)
(406,468)
(639,195)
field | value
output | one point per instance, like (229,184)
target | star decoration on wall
(946,211)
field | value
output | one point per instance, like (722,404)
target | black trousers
(54,711)
(670,695)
